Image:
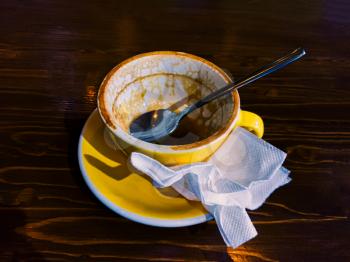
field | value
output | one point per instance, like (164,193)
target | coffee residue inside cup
(143,95)
(189,131)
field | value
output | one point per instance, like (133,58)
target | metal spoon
(156,124)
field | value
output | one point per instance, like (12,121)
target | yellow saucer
(131,195)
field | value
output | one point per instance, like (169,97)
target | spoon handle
(265,70)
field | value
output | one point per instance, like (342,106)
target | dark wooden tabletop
(53,56)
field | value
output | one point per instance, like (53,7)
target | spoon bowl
(154,125)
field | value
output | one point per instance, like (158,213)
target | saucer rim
(127,214)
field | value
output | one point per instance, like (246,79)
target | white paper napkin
(239,176)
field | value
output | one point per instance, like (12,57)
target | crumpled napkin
(240,175)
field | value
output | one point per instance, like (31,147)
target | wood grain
(53,56)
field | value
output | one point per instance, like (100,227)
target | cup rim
(157,147)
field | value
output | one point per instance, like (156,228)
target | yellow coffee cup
(166,79)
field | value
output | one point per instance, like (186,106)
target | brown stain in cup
(191,129)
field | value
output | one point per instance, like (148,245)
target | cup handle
(252,122)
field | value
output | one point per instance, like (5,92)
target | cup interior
(166,80)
